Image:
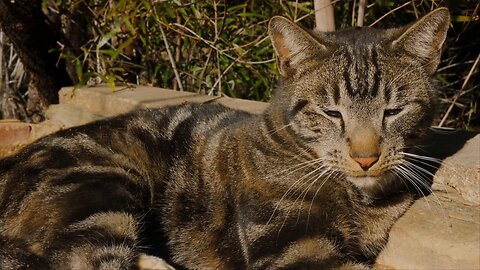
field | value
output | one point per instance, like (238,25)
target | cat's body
(309,184)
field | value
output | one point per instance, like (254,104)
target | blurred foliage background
(221,47)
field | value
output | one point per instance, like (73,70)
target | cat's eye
(392,112)
(334,114)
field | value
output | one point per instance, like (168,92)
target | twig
(361,13)
(256,42)
(353,12)
(415,10)
(212,45)
(178,49)
(170,57)
(459,93)
(455,65)
(195,78)
(315,10)
(224,72)
(217,34)
(202,73)
(296,10)
(388,13)
(324,17)
(220,77)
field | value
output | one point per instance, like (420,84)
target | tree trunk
(324,16)
(25,24)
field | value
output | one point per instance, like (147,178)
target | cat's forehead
(359,37)
(360,67)
(358,44)
(365,67)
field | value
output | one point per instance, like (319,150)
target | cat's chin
(370,186)
(364,183)
(376,187)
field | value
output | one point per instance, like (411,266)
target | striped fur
(207,187)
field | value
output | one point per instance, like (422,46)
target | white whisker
(277,205)
(422,157)
(315,195)
(411,178)
(424,171)
(308,182)
(273,131)
(305,192)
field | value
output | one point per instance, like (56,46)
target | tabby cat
(314,182)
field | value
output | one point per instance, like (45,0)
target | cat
(314,182)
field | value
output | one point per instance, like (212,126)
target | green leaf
(105,39)
(78,69)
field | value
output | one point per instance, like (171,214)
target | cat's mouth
(365,179)
(377,186)
(372,173)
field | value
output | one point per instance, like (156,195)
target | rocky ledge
(442,230)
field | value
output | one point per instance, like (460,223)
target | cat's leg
(78,217)
(308,253)
(104,241)
(16,256)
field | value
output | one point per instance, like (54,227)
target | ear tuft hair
(292,44)
(425,37)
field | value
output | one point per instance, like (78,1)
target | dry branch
(324,16)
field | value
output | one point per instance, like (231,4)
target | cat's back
(137,146)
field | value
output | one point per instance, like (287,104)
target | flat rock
(14,135)
(103,100)
(13,132)
(442,230)
(438,232)
(70,116)
(462,172)
(97,101)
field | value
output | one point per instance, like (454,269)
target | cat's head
(359,97)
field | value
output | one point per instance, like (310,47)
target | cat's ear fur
(292,43)
(425,37)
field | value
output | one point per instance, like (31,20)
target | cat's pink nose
(366,162)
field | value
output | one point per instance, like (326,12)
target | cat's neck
(268,148)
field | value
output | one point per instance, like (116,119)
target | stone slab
(45,128)
(438,232)
(13,132)
(442,230)
(462,172)
(103,100)
(234,103)
(14,135)
(244,105)
(165,102)
(70,116)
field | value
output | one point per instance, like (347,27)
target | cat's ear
(292,44)
(425,37)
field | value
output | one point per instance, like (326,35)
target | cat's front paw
(148,262)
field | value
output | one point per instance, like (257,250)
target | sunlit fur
(315,182)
